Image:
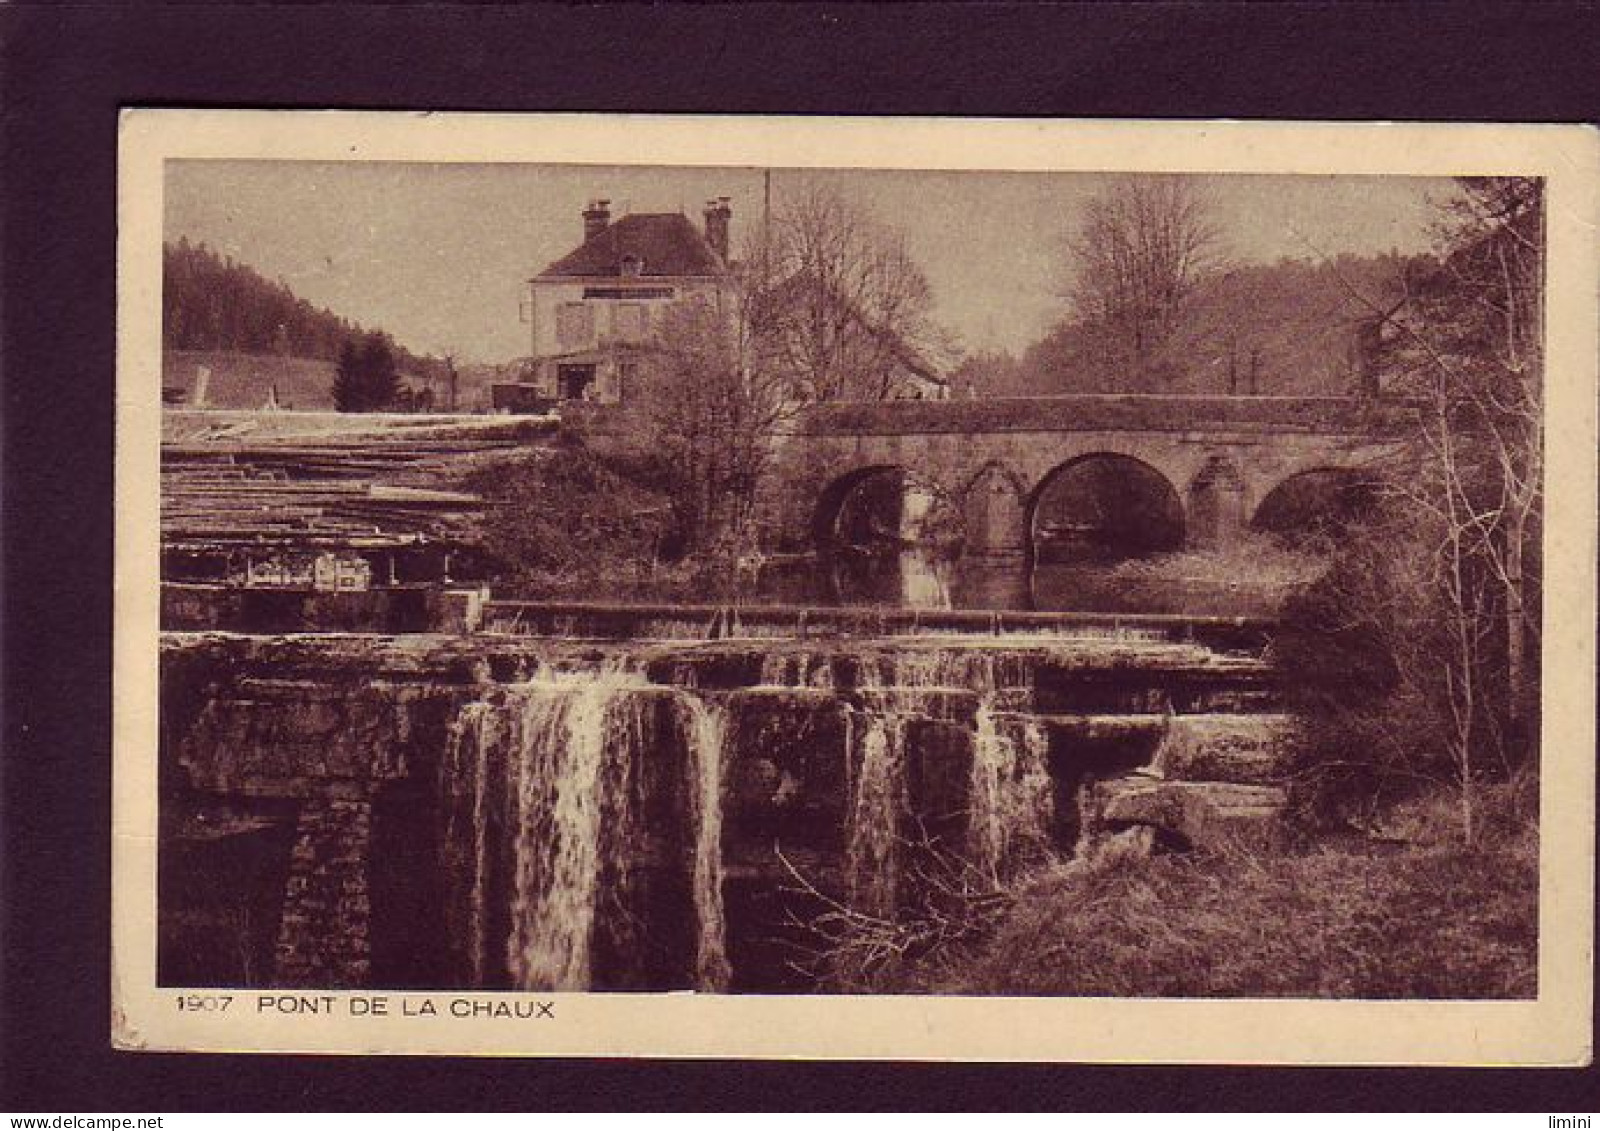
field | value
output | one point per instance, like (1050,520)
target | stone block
(1199,814)
(1242,749)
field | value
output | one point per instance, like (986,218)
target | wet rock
(324,936)
(282,737)
(977,747)
(785,762)
(1197,814)
(938,772)
(1242,749)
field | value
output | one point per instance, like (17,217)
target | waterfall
(1012,798)
(877,797)
(1011,801)
(707,732)
(584,810)
(893,689)
(571,727)
(482,720)
(797,669)
(466,759)
(555,770)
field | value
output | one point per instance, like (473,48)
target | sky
(438,254)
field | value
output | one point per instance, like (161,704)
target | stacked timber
(312,494)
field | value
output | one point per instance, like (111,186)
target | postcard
(697,586)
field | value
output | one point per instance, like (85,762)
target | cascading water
(877,798)
(797,669)
(557,767)
(584,800)
(1012,792)
(650,816)
(707,738)
(573,731)
(472,738)
(1010,795)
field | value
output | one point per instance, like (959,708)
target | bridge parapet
(1111,412)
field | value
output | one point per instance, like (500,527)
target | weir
(545,814)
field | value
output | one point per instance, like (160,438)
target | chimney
(717,215)
(596,218)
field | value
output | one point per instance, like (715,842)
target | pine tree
(349,394)
(380,374)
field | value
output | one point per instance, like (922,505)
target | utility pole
(766,220)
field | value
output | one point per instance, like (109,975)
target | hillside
(247,381)
(1285,328)
(254,334)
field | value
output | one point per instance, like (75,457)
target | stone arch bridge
(1222,457)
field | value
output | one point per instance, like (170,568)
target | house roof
(665,243)
(903,352)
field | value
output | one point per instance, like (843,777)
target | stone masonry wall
(324,938)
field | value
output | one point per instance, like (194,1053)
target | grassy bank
(1426,918)
(1255,560)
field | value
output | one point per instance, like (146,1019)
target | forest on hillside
(1290,328)
(210,302)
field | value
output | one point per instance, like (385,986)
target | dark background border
(63,74)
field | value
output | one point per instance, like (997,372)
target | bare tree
(1441,578)
(1142,247)
(1472,353)
(1485,351)
(713,406)
(841,307)
(827,306)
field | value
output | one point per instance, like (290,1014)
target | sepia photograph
(768,573)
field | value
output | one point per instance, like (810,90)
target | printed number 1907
(204,1003)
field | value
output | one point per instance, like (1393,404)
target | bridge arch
(831,499)
(1314,501)
(1104,504)
(878,500)
(885,533)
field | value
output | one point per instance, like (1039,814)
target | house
(909,376)
(836,348)
(590,314)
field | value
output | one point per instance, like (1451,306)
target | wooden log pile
(344,492)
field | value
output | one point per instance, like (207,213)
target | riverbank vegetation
(1415,658)
(564,522)
(1414,915)
(560,519)
(1411,913)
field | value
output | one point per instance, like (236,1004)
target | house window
(632,266)
(628,321)
(628,292)
(627,379)
(574,325)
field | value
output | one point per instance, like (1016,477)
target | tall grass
(1425,918)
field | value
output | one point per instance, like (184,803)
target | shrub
(561,515)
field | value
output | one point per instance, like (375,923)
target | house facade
(591,313)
